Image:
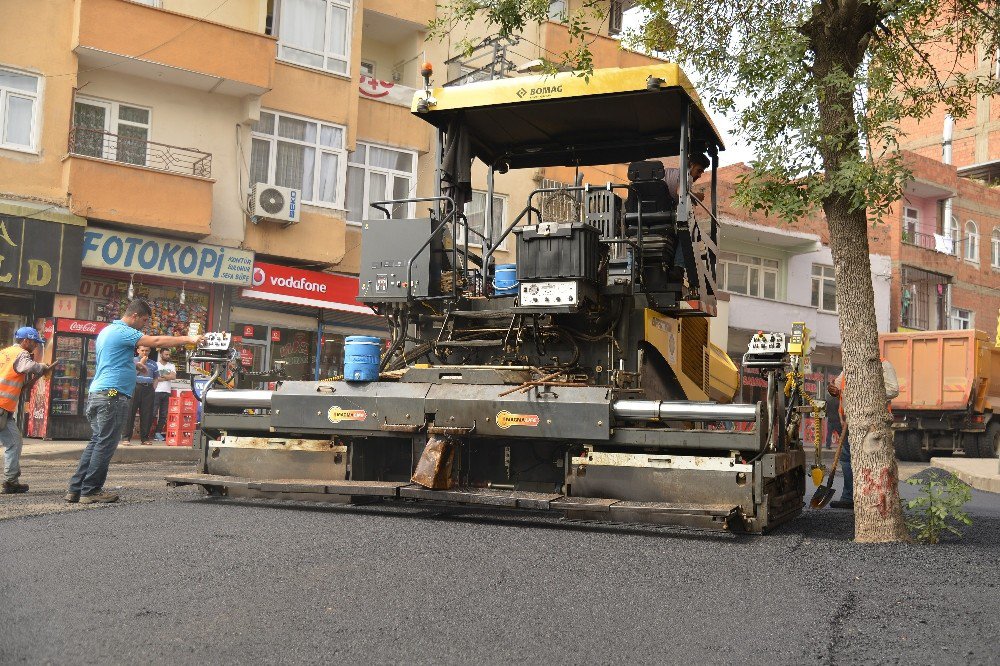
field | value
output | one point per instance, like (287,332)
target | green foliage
(781,66)
(938,508)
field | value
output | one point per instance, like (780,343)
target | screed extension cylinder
(239,398)
(659,410)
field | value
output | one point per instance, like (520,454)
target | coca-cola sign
(80,326)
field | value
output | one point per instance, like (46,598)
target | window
(315,33)
(18,110)
(367,68)
(971,241)
(747,275)
(911,221)
(111,130)
(475,211)
(955,233)
(961,320)
(615,17)
(295,152)
(376,173)
(557,10)
(824,288)
(995,247)
(151,3)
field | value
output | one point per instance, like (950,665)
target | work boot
(13,487)
(99,497)
(841,504)
(72,498)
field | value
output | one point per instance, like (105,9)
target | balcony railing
(933,241)
(139,152)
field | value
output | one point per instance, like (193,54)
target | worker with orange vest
(836,389)
(16,365)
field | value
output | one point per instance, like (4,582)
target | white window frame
(615,18)
(326,54)
(911,222)
(971,250)
(36,111)
(388,173)
(995,247)
(827,274)
(558,10)
(112,122)
(272,162)
(961,319)
(955,231)
(497,198)
(747,260)
(150,3)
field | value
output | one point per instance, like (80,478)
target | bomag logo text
(335,414)
(545,90)
(505,420)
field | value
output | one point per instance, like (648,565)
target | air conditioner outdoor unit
(271,202)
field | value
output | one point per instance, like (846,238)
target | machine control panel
(767,343)
(564,292)
(215,341)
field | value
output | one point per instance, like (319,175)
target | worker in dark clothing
(833,422)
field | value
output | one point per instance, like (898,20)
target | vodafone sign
(301,287)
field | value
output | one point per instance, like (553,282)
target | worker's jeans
(847,495)
(106,415)
(161,405)
(10,439)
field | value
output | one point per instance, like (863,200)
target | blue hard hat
(28,333)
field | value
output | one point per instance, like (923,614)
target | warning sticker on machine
(336,414)
(505,420)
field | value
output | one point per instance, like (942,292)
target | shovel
(824,493)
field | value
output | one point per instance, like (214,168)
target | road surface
(170,577)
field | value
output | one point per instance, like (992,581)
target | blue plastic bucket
(505,280)
(361,358)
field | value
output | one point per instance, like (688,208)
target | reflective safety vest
(11,382)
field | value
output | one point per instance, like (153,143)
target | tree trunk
(839,37)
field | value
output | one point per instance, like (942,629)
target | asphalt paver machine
(587,385)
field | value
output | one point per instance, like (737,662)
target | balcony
(165,46)
(139,183)
(607,51)
(386,92)
(420,12)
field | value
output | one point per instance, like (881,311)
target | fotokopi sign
(39,255)
(137,253)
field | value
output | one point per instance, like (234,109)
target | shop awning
(296,286)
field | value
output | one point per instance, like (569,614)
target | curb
(982,476)
(124,454)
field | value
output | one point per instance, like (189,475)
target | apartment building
(928,275)
(135,131)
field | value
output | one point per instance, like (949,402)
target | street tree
(820,89)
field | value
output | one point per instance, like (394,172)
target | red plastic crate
(180,437)
(182,402)
(182,421)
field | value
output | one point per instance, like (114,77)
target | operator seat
(650,194)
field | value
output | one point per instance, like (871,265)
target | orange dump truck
(949,393)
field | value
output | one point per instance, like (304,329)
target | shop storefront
(38,258)
(299,318)
(177,278)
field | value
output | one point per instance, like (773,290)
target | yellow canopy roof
(613,116)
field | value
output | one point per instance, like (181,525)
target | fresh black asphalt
(183,581)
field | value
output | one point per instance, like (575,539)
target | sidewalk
(38,449)
(980,473)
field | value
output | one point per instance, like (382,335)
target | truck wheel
(908,447)
(989,441)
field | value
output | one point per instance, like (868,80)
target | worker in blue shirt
(110,397)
